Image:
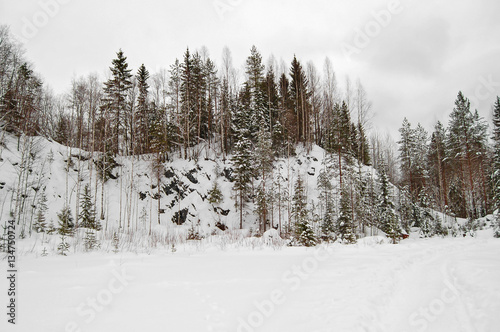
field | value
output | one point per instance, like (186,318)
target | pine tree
(66,225)
(87,217)
(345,224)
(304,234)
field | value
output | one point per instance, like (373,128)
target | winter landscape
(249,191)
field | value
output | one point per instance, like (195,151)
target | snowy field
(450,284)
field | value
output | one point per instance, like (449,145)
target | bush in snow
(63,247)
(90,240)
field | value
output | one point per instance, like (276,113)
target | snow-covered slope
(30,166)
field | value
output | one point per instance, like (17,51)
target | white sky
(413,66)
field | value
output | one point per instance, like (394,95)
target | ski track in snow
(360,288)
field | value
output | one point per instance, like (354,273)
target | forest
(201,108)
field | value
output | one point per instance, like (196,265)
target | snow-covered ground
(450,284)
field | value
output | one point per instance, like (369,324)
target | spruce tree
(304,234)
(340,138)
(258,110)
(325,188)
(63,246)
(142,111)
(115,100)
(87,217)
(215,196)
(66,225)
(466,143)
(406,155)
(263,157)
(496,162)
(387,217)
(345,224)
(363,146)
(41,222)
(199,80)
(242,173)
(299,98)
(437,165)
(426,218)
(90,240)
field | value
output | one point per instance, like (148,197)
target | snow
(230,281)
(433,284)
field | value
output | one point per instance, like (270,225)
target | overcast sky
(412,56)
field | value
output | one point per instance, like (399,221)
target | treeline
(196,108)
(455,168)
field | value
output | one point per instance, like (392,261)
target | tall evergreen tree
(242,173)
(299,98)
(258,110)
(406,149)
(466,141)
(264,158)
(188,102)
(387,218)
(142,111)
(363,154)
(340,141)
(437,165)
(496,162)
(115,101)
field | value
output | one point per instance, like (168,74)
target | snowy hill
(30,166)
